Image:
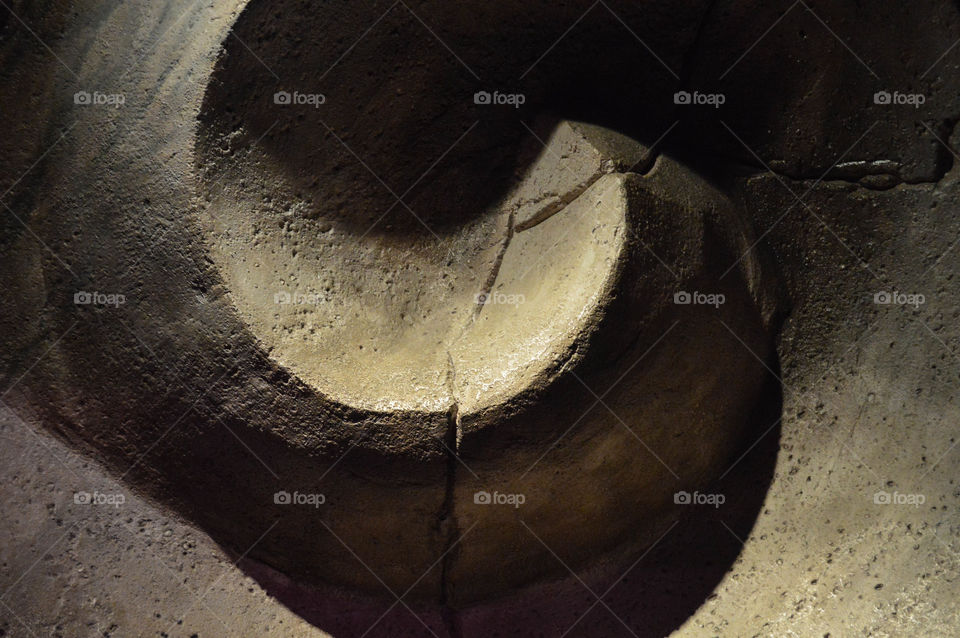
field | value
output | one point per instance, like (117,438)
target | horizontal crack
(871,177)
(882,174)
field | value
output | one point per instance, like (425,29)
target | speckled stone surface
(839,513)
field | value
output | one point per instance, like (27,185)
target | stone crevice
(558,206)
(642,167)
(869,177)
(447,518)
(491,280)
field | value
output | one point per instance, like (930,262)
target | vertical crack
(449,526)
(488,284)
(944,154)
(453,435)
(447,518)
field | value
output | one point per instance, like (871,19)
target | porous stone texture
(199,393)
(369,347)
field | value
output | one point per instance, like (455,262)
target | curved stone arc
(190,447)
(183,450)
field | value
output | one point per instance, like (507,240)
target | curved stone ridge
(519,305)
(481,302)
(380,321)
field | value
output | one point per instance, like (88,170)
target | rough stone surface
(313,333)
(118,200)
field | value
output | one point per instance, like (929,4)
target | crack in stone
(449,526)
(491,280)
(643,167)
(558,206)
(869,173)
(947,160)
(447,517)
(454,409)
(843,175)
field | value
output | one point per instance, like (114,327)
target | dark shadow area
(649,594)
(402,112)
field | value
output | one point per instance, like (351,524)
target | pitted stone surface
(176,392)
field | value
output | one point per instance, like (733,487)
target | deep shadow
(400,115)
(653,598)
